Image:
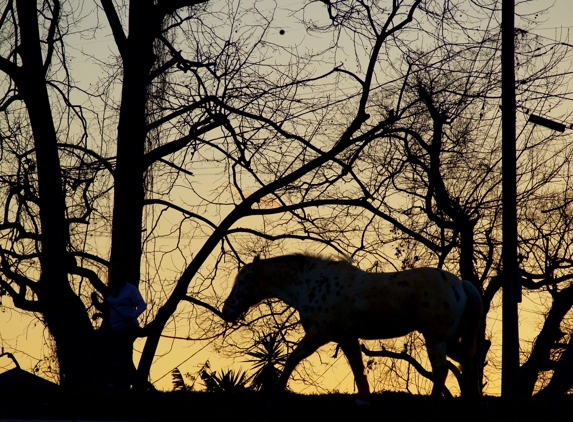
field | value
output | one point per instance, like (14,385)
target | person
(122,305)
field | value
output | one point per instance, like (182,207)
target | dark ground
(177,406)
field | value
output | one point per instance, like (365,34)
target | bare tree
(220,99)
(435,199)
(546,265)
(210,140)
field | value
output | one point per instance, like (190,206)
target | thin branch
(91,276)
(174,146)
(50,39)
(116,27)
(198,302)
(181,210)
(405,356)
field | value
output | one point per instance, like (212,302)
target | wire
(184,361)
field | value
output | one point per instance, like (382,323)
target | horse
(338,302)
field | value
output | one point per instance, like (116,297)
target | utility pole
(511,284)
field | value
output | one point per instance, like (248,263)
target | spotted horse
(339,302)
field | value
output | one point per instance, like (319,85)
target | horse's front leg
(351,349)
(306,347)
(439,362)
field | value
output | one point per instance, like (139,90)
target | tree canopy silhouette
(210,136)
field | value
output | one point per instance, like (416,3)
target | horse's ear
(254,264)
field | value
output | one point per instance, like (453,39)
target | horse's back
(387,305)
(433,293)
(430,299)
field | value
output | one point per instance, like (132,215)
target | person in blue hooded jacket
(122,305)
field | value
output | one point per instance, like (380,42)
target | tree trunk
(138,59)
(471,379)
(63,311)
(539,359)
(562,379)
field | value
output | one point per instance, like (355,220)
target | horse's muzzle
(230,314)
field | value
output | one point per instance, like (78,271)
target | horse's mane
(328,258)
(304,257)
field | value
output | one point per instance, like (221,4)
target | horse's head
(246,293)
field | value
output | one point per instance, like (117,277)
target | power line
(184,361)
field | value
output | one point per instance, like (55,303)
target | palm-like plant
(226,381)
(178,381)
(268,358)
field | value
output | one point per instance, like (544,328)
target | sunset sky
(25,336)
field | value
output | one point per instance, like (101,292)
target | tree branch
(174,146)
(181,210)
(116,27)
(405,356)
(170,6)
(198,302)
(90,275)
(50,39)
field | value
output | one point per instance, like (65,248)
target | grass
(177,406)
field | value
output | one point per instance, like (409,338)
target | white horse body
(379,305)
(341,303)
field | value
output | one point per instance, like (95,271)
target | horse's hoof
(360,402)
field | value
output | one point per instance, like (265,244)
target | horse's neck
(278,284)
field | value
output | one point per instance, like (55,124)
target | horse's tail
(463,346)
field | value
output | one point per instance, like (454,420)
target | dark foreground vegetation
(171,406)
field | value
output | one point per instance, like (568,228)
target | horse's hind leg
(437,356)
(351,349)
